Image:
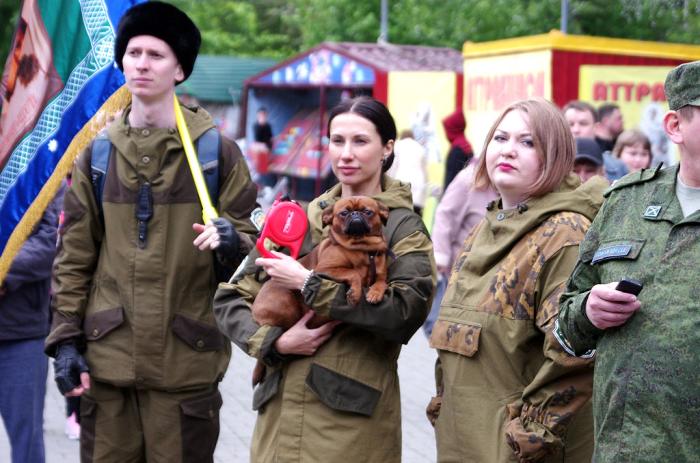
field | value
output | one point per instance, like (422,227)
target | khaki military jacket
(646,400)
(143,313)
(343,403)
(509,391)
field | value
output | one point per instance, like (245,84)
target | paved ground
(415,372)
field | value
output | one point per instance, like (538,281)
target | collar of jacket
(198,121)
(502,229)
(663,193)
(394,194)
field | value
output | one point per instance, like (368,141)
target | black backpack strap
(208,147)
(99,161)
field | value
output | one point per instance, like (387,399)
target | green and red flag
(59,86)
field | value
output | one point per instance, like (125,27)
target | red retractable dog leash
(285,225)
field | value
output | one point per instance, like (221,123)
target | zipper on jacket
(144,211)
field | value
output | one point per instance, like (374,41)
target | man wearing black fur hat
(133,331)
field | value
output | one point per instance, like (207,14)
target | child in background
(634,149)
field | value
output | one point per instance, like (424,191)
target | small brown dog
(353,253)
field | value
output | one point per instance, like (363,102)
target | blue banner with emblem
(60,85)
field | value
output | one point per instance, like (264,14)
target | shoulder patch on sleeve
(634,178)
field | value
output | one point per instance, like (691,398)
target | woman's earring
(384,160)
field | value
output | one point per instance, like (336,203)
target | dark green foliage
(281,28)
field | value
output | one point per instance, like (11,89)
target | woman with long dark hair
(331,393)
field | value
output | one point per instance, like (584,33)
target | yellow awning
(556,40)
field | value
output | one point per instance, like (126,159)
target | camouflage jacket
(143,313)
(646,401)
(509,391)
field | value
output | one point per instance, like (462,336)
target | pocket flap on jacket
(99,324)
(460,338)
(198,335)
(267,389)
(205,407)
(342,393)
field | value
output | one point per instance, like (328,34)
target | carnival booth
(413,81)
(561,68)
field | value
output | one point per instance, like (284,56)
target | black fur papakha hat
(164,21)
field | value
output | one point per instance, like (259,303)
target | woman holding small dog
(331,393)
(506,389)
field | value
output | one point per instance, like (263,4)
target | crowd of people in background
(543,355)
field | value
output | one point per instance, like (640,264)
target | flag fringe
(114,104)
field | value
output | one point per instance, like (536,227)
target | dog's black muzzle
(356,225)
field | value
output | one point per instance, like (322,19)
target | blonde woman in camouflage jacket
(332,393)
(506,390)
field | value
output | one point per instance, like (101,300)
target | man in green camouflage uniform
(646,392)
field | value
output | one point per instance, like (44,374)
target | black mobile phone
(630,286)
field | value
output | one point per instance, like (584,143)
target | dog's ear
(327,215)
(383,213)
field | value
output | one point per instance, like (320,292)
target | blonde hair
(552,140)
(630,138)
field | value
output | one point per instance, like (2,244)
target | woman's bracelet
(306,280)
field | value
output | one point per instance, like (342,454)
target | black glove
(68,366)
(228,238)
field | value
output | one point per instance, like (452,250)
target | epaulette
(634,178)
